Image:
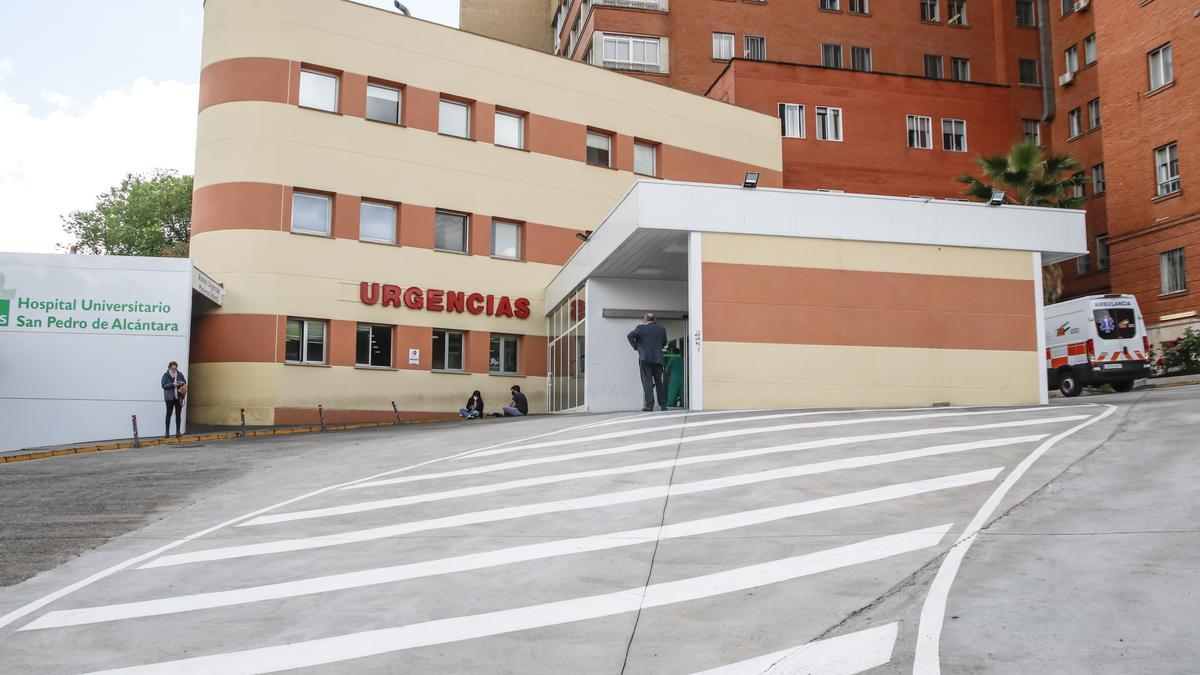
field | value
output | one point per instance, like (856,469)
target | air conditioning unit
(1081,5)
(1067,78)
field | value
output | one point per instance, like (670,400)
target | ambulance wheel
(1122,386)
(1068,384)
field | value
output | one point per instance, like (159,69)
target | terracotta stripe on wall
(785,305)
(251,78)
(238,338)
(238,206)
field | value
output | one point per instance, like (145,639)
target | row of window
(829,127)
(307,339)
(1075,118)
(833,56)
(1166,171)
(956,10)
(1083,264)
(1172,268)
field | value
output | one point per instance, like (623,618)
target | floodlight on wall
(583,236)
(997,198)
(402,8)
(751,180)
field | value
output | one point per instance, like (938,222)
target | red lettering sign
(437,300)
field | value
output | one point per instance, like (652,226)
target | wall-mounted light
(583,236)
(997,198)
(751,180)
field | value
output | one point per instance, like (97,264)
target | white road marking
(842,655)
(927,660)
(506,556)
(583,454)
(854,462)
(382,641)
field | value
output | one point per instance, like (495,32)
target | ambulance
(1100,339)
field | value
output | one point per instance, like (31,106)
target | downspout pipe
(1045,49)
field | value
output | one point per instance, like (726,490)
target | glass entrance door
(675,356)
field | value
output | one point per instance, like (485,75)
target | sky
(91,90)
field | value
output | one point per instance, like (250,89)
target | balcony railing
(658,5)
(631,66)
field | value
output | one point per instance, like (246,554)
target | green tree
(1029,178)
(144,215)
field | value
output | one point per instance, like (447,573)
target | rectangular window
(756,47)
(1117,323)
(373,346)
(1089,49)
(960,69)
(1026,16)
(318,90)
(630,53)
(722,46)
(831,56)
(956,12)
(599,149)
(305,342)
(311,213)
(645,159)
(933,66)
(1174,277)
(450,232)
(1094,113)
(791,120)
(1098,184)
(447,350)
(502,357)
(1032,130)
(506,239)
(1028,71)
(1068,6)
(1083,264)
(831,5)
(860,58)
(383,104)
(377,222)
(860,7)
(510,130)
(1166,161)
(920,132)
(1161,69)
(1102,253)
(454,119)
(954,135)
(829,124)
(929,10)
(1075,122)
(1079,189)
(1071,59)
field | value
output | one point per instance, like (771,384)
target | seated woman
(474,408)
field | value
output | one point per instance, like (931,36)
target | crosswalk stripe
(506,556)
(442,631)
(842,655)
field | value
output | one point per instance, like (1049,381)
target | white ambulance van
(1100,339)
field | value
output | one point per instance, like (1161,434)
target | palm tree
(1027,177)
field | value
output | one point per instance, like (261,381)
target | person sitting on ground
(474,407)
(519,406)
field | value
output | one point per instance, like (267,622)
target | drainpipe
(1047,59)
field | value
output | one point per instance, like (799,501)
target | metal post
(243,432)
(321,412)
(137,442)
(397,412)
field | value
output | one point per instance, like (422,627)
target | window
(956,12)
(311,213)
(831,56)
(954,135)
(829,124)
(1025,14)
(450,232)
(756,47)
(1079,188)
(791,120)
(1071,59)
(860,58)
(1102,254)
(305,342)
(1094,113)
(1075,122)
(318,90)
(447,350)
(860,7)
(502,358)
(1117,323)
(933,66)
(1068,6)
(506,239)
(377,222)
(1032,130)
(454,119)
(920,132)
(1083,264)
(929,10)
(1028,71)
(831,5)
(645,159)
(1161,68)
(960,69)
(383,104)
(510,130)
(599,149)
(632,53)
(373,346)
(722,46)
(1098,184)
(1166,159)
(1089,49)
(1170,266)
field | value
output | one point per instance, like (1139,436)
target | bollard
(397,412)
(321,412)
(137,443)
(242,433)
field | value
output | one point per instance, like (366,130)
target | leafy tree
(146,216)
(1030,179)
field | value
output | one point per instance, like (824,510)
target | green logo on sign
(6,294)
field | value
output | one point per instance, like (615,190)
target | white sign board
(84,341)
(414,357)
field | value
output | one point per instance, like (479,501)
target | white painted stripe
(842,655)
(927,660)
(584,454)
(382,641)
(634,468)
(506,556)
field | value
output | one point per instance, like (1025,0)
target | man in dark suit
(648,340)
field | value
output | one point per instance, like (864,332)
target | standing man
(174,386)
(648,340)
(519,405)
